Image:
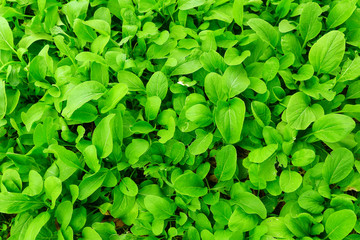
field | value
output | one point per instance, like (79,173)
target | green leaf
(265,31)
(131,80)
(199,114)
(201,143)
(190,184)
(6,35)
(91,158)
(311,201)
(290,181)
(53,188)
(35,184)
(327,53)
(340,13)
(157,85)
(304,73)
(36,225)
(128,187)
(189,4)
(299,114)
(221,212)
(113,97)
(81,94)
(3,100)
(333,127)
(241,221)
(350,70)
(238,12)
(310,24)
(161,208)
(136,149)
(260,155)
(303,157)
(102,138)
(214,87)
(339,224)
(229,118)
(233,57)
(271,68)
(13,203)
(226,161)
(64,213)
(236,80)
(91,183)
(338,165)
(250,203)
(261,113)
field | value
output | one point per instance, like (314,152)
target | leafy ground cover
(188,119)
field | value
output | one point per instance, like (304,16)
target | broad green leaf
(309,24)
(102,138)
(133,82)
(201,143)
(81,94)
(265,31)
(311,201)
(290,181)
(327,53)
(64,213)
(152,107)
(241,221)
(340,13)
(199,114)
(339,224)
(270,69)
(157,85)
(333,127)
(83,31)
(229,118)
(221,212)
(36,225)
(65,155)
(304,73)
(91,158)
(187,68)
(226,161)
(303,157)
(214,87)
(190,184)
(189,4)
(260,155)
(238,12)
(3,100)
(236,80)
(233,57)
(53,188)
(113,97)
(250,203)
(128,187)
(89,233)
(159,207)
(338,165)
(349,70)
(261,113)
(91,183)
(35,184)
(136,149)
(299,114)
(6,35)
(13,203)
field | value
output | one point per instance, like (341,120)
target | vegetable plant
(179,119)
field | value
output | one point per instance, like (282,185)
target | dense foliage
(193,119)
